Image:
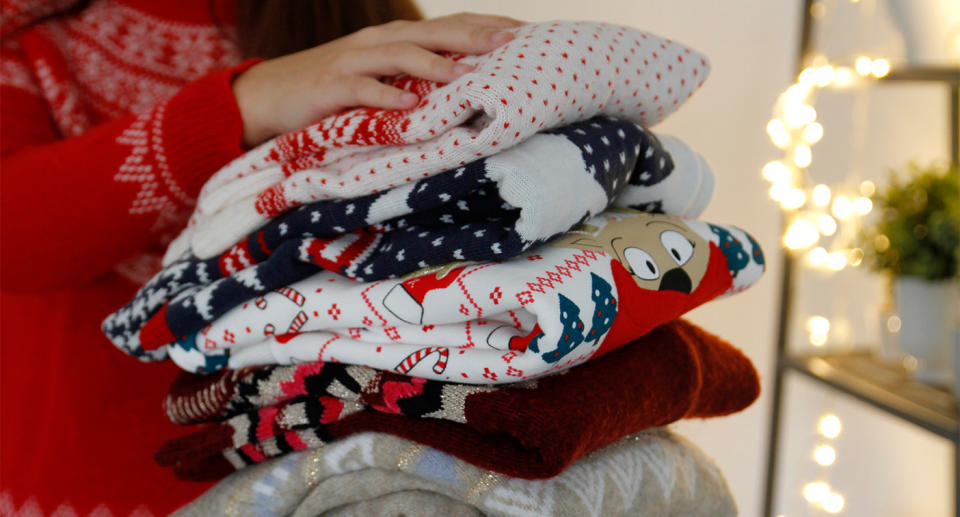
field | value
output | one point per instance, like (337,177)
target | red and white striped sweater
(112,115)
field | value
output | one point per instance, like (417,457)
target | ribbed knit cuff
(203,129)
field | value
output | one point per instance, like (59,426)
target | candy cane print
(294,295)
(413,359)
(297,323)
(294,328)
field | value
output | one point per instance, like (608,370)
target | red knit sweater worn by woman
(111,118)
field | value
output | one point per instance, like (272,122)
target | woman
(114,113)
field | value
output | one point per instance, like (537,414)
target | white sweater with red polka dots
(549,75)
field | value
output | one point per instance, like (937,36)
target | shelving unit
(883,385)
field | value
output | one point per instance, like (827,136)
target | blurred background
(872,463)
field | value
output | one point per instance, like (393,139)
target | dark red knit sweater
(111,117)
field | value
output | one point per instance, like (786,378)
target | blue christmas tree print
(604,309)
(185,353)
(535,343)
(757,253)
(572,331)
(732,249)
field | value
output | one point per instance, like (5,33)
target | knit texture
(651,473)
(112,117)
(141,122)
(19,13)
(550,75)
(531,430)
(488,210)
(612,280)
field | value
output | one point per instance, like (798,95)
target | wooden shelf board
(886,386)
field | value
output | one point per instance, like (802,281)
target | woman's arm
(72,209)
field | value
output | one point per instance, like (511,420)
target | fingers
(487,20)
(464,33)
(369,92)
(403,57)
(408,47)
(456,35)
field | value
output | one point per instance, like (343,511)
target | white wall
(752,46)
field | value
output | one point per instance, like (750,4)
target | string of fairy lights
(820,220)
(819,493)
(815,211)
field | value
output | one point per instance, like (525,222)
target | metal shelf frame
(930,408)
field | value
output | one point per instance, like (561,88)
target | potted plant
(916,239)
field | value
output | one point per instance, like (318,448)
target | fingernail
(462,68)
(501,37)
(409,98)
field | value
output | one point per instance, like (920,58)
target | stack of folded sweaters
(438,306)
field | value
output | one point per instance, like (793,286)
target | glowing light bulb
(813,132)
(837,260)
(781,140)
(863,65)
(867,188)
(817,256)
(802,156)
(824,75)
(818,325)
(821,195)
(818,339)
(775,126)
(797,115)
(880,67)
(833,502)
(776,172)
(778,133)
(830,426)
(808,77)
(801,234)
(794,199)
(824,455)
(844,77)
(862,205)
(815,492)
(827,225)
(842,208)
(796,94)
(778,191)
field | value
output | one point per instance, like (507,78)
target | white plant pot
(930,30)
(928,311)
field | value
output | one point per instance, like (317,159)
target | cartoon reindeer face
(661,252)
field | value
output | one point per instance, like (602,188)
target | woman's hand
(293,91)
